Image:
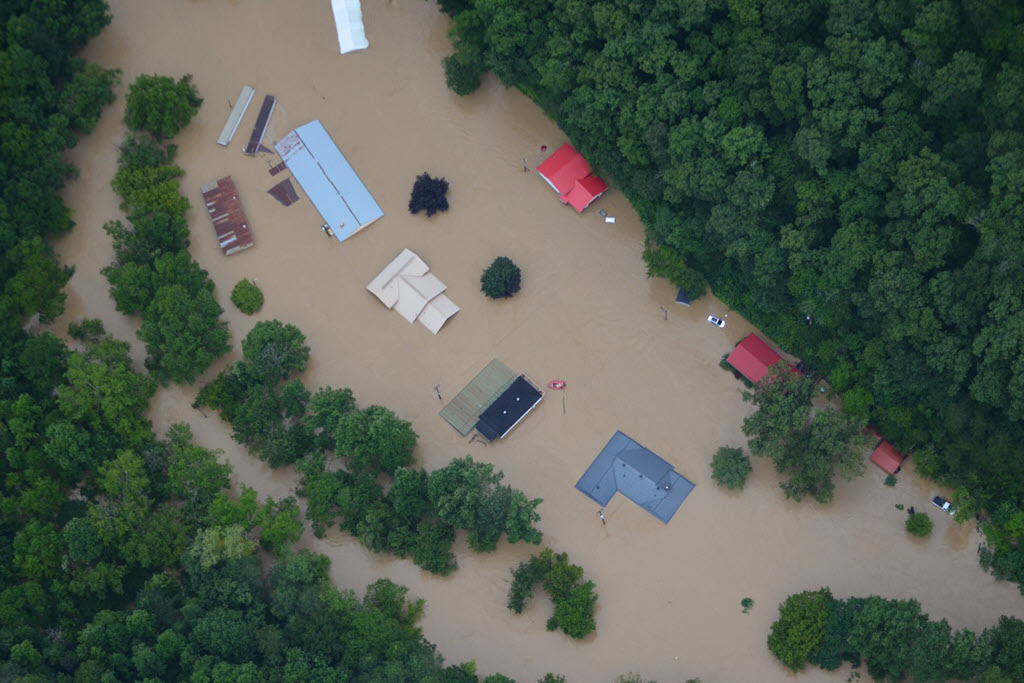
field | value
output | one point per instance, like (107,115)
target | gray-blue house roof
(327,178)
(624,465)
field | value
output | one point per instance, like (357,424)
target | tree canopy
(160,105)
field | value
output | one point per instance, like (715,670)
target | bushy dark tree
(501,279)
(429,194)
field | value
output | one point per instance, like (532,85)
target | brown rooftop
(229,222)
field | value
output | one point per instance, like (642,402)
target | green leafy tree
(324,411)
(280,526)
(271,352)
(161,105)
(783,402)
(183,334)
(105,395)
(919,524)
(247,297)
(885,633)
(501,279)
(574,599)
(800,629)
(730,467)
(194,476)
(466,494)
(375,439)
(808,451)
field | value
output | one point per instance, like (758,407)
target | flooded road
(669,604)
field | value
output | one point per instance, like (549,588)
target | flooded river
(669,604)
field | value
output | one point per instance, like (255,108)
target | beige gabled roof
(407,286)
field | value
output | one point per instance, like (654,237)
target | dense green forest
(848,174)
(894,639)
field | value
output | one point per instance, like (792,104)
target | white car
(717,322)
(944,505)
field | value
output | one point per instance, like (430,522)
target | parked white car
(944,505)
(717,322)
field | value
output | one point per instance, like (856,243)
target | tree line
(153,274)
(894,639)
(356,464)
(853,164)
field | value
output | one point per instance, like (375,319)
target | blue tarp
(327,178)
(625,466)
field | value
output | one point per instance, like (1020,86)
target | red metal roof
(569,173)
(752,357)
(584,191)
(887,457)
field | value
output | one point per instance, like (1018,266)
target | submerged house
(624,466)
(328,179)
(407,286)
(493,402)
(569,174)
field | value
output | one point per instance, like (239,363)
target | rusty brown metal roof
(229,221)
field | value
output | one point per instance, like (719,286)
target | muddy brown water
(669,604)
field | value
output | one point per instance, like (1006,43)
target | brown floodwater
(669,604)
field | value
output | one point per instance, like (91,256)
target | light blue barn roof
(327,178)
(640,475)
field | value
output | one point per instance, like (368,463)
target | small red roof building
(752,357)
(888,458)
(569,174)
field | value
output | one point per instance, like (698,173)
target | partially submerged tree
(160,105)
(809,451)
(729,467)
(574,599)
(800,628)
(919,524)
(501,279)
(428,194)
(247,297)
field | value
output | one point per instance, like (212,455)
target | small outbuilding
(887,457)
(569,174)
(752,357)
(625,466)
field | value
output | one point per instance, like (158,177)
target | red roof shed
(752,357)
(887,457)
(569,174)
